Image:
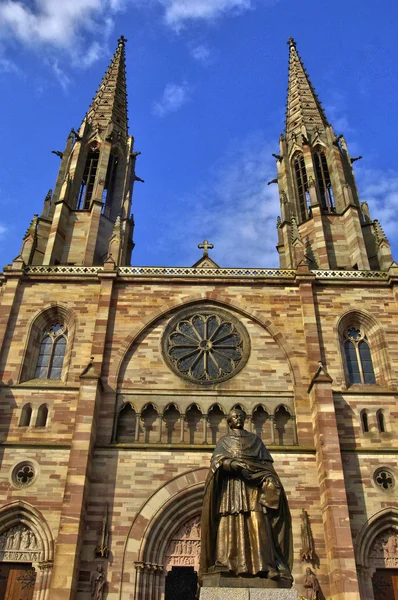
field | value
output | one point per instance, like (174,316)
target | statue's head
(236,418)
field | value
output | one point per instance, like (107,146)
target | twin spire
(303,106)
(110,102)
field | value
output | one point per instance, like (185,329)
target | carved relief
(384,551)
(184,548)
(19,544)
(307,542)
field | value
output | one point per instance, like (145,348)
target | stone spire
(109,106)
(303,107)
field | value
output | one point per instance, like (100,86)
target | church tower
(323,221)
(87,219)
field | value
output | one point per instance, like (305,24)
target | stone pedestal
(222,586)
(208,593)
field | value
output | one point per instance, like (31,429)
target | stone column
(43,576)
(272,421)
(182,422)
(365,575)
(139,573)
(293,420)
(137,426)
(335,515)
(11,284)
(249,420)
(204,420)
(72,522)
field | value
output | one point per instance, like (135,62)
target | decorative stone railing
(220,273)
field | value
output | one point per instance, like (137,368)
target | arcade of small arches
(196,426)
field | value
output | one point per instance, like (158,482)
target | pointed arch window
(303,194)
(88,179)
(323,181)
(52,352)
(358,357)
(109,186)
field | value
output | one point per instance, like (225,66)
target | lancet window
(323,181)
(42,416)
(302,187)
(358,357)
(381,422)
(26,415)
(88,179)
(109,187)
(364,421)
(52,352)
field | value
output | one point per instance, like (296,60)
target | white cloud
(380,190)
(178,12)
(8,66)
(70,29)
(174,96)
(234,209)
(201,53)
(58,25)
(61,76)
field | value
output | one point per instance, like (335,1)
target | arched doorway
(181,564)
(26,553)
(377,556)
(383,557)
(164,542)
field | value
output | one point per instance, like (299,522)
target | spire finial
(303,106)
(108,109)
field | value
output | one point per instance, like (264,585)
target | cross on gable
(206,247)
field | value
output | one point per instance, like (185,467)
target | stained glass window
(206,346)
(52,352)
(358,357)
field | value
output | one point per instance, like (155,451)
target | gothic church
(116,379)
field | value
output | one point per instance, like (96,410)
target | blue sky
(207,88)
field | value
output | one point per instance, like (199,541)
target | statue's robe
(246,523)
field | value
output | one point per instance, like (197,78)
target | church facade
(116,380)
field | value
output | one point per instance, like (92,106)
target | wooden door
(385,584)
(17,581)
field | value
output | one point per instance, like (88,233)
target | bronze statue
(98,582)
(246,524)
(311,585)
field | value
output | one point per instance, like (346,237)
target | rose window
(206,345)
